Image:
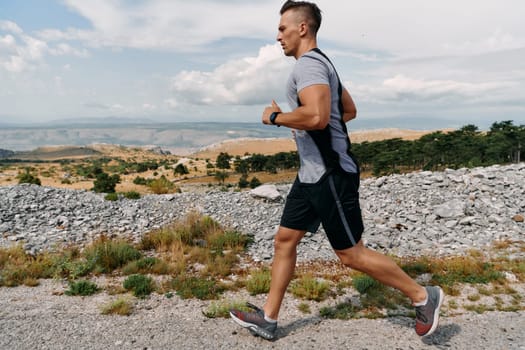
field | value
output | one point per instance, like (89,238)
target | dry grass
(200,259)
(121,306)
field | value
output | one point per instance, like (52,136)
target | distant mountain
(102,121)
(4,153)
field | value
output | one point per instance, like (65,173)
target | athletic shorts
(333,201)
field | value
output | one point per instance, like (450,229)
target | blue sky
(443,63)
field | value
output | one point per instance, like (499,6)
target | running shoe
(254,321)
(427,316)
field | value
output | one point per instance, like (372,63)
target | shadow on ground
(440,338)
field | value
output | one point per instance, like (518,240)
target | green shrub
(141,285)
(255,182)
(28,178)
(82,288)
(112,196)
(309,288)
(343,311)
(132,195)
(69,266)
(181,169)
(140,181)
(259,282)
(363,283)
(229,240)
(105,183)
(109,255)
(145,265)
(194,287)
(161,185)
(243,181)
(120,306)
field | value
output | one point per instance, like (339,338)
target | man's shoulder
(312,59)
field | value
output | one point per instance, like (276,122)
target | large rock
(266,191)
(452,209)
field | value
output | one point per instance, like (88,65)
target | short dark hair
(308,9)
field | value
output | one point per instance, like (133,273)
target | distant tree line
(466,147)
(269,163)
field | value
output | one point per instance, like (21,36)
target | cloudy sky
(448,61)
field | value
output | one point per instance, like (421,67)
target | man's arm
(350,111)
(313,114)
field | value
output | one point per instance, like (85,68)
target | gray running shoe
(254,321)
(427,316)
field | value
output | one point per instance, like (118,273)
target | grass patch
(416,266)
(140,285)
(304,308)
(82,288)
(132,195)
(310,288)
(363,283)
(452,304)
(259,282)
(147,265)
(342,311)
(222,308)
(374,296)
(474,297)
(195,287)
(479,308)
(463,269)
(121,306)
(108,255)
(112,197)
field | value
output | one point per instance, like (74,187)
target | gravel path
(35,318)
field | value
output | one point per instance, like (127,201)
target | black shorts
(333,201)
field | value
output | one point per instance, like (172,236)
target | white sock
(423,302)
(268,319)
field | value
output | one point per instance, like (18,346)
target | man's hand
(268,111)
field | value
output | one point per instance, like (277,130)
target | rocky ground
(436,213)
(35,318)
(441,213)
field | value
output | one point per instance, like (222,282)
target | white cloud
(11,27)
(171,103)
(7,43)
(407,90)
(20,52)
(168,25)
(252,80)
(63,49)
(149,107)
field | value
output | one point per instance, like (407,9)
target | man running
(326,189)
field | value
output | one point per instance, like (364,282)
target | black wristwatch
(273,116)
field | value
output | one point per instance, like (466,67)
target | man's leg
(427,300)
(383,269)
(283,266)
(264,322)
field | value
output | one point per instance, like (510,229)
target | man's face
(289,33)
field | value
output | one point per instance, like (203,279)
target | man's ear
(303,28)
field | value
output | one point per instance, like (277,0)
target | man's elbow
(353,112)
(349,115)
(319,122)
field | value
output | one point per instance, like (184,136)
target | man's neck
(306,45)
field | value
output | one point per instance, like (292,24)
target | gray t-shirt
(311,69)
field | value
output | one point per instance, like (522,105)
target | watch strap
(273,116)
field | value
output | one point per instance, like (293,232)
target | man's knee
(287,238)
(354,257)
